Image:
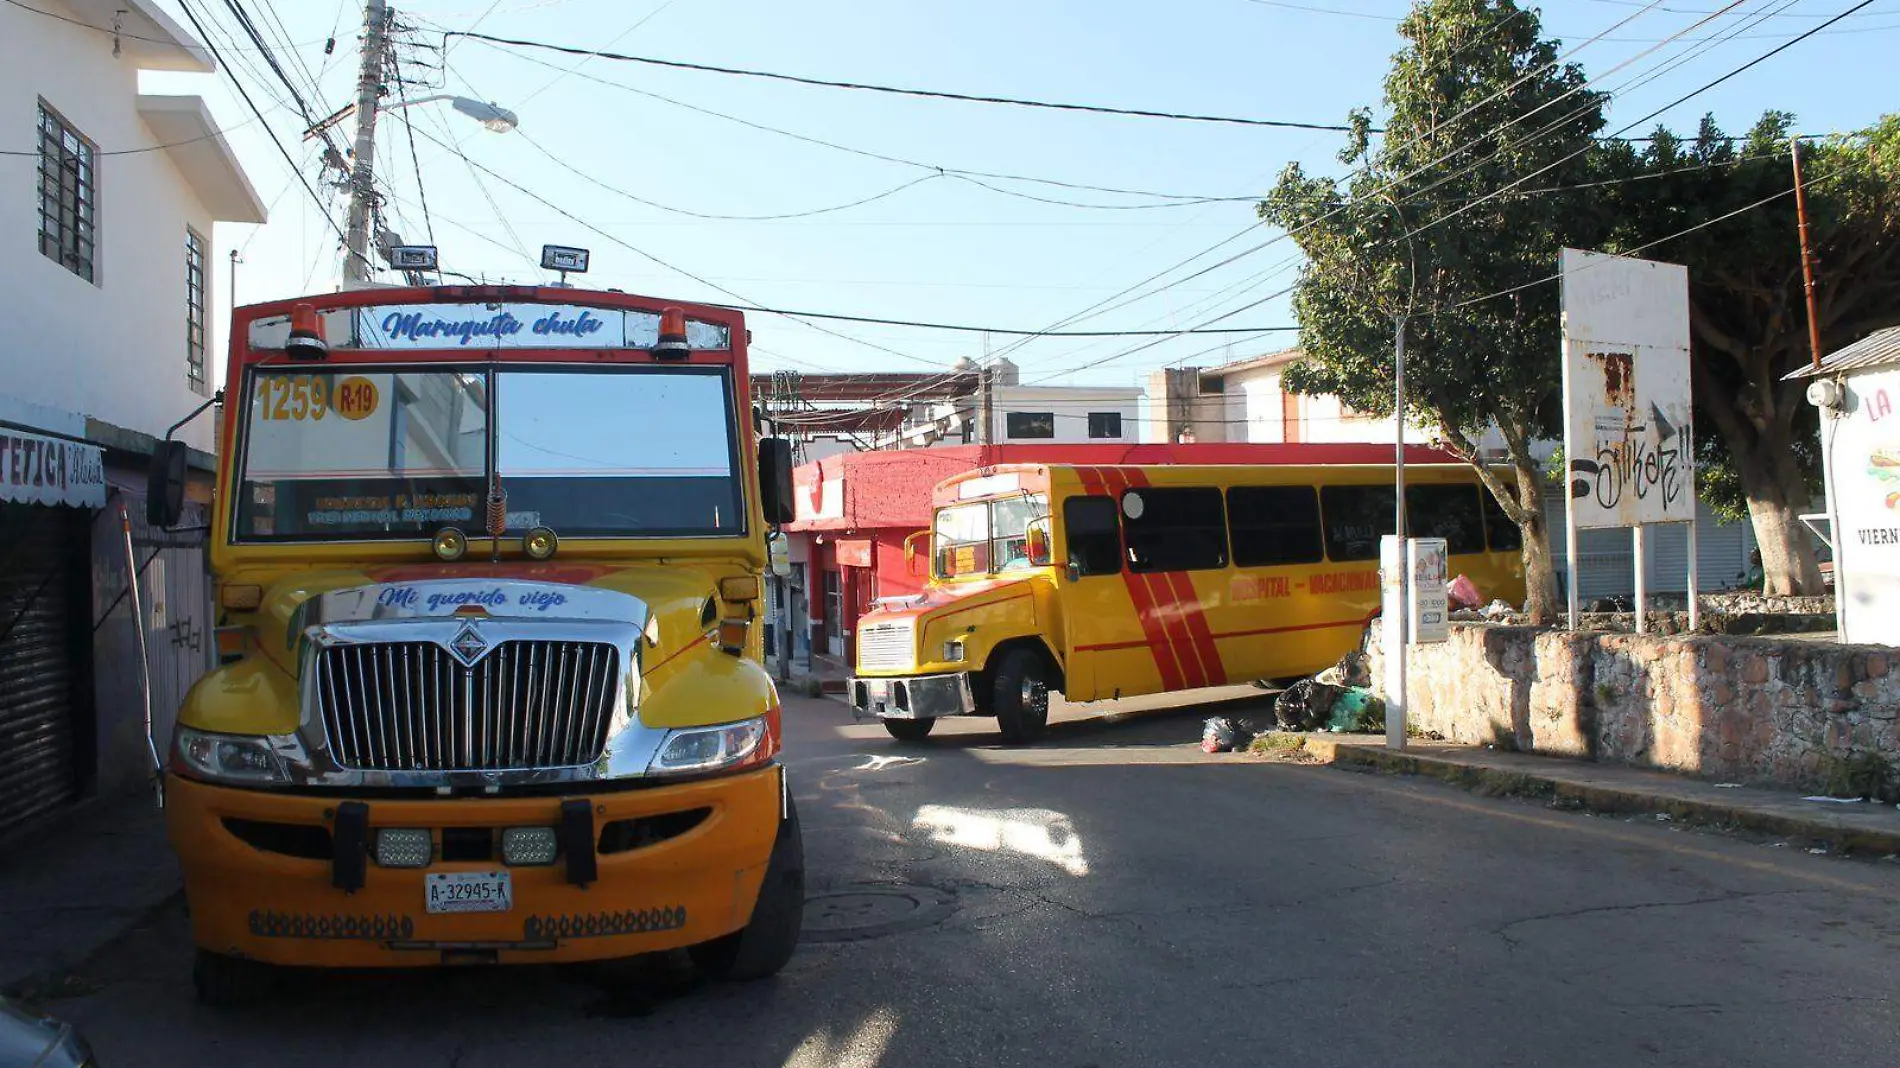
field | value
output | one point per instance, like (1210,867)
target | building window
(195,314)
(834,601)
(1029,424)
(1105,425)
(1174,529)
(68,196)
(1273,525)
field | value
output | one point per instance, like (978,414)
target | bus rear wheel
(224,982)
(1020,696)
(909,730)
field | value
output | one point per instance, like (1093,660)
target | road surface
(1115,897)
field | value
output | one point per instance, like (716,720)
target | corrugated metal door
(39,583)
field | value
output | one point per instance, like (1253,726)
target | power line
(110,32)
(937,94)
(322,208)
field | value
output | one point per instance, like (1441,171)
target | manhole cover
(872,911)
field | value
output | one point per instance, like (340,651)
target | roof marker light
(672,344)
(306,335)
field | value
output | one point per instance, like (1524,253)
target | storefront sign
(855,553)
(41,470)
(1864,467)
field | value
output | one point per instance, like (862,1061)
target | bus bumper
(913,697)
(273,877)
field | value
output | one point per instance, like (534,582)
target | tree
(1748,313)
(1430,225)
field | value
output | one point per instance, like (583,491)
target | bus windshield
(985,537)
(345,453)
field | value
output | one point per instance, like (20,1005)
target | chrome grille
(412,706)
(887,647)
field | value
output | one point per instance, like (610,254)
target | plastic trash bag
(1224,734)
(1357,711)
(1464,592)
(1306,705)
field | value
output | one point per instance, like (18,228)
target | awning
(42,470)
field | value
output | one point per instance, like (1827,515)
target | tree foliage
(1748,316)
(1430,226)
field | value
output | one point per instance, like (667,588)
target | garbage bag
(1464,592)
(1354,669)
(1224,734)
(1306,705)
(1357,711)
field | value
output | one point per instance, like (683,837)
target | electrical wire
(971,98)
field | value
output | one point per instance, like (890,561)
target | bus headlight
(725,747)
(235,758)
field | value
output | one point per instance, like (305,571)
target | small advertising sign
(1427,598)
(42,470)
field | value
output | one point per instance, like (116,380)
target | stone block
(1876,665)
(1755,669)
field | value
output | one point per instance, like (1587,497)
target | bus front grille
(887,647)
(412,706)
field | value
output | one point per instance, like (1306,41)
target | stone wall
(1764,711)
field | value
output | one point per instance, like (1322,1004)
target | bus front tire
(909,730)
(1021,696)
(764,945)
(230,982)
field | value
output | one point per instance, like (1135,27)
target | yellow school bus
(1106,582)
(487,560)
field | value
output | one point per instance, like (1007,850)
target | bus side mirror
(165,485)
(1036,545)
(775,481)
(910,550)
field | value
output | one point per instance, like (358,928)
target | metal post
(1807,260)
(145,656)
(369,88)
(1637,544)
(1695,610)
(1395,701)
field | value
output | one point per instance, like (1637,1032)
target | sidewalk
(70,888)
(1861,827)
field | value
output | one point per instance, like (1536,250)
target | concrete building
(105,239)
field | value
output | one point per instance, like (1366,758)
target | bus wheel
(760,948)
(230,982)
(909,730)
(1021,696)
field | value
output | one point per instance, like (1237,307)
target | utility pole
(1396,637)
(1807,260)
(369,90)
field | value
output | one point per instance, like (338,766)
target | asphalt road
(1115,897)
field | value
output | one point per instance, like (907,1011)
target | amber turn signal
(240,597)
(732,635)
(739,588)
(540,543)
(449,545)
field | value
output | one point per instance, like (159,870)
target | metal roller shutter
(37,621)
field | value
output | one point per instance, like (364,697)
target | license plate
(469,891)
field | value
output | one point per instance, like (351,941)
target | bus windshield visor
(356,454)
(985,537)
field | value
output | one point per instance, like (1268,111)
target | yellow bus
(1108,582)
(487,560)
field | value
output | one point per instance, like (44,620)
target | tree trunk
(1777,493)
(1540,569)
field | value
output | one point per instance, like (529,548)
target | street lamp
(496,118)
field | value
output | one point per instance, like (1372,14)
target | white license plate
(469,891)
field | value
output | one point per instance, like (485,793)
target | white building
(1247,400)
(105,243)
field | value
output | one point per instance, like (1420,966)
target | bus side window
(1505,535)
(1175,529)
(1356,518)
(1094,533)
(1448,512)
(1274,525)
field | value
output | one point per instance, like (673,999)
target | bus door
(1102,635)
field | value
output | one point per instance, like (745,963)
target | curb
(1498,781)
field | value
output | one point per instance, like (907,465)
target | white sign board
(490,326)
(1427,598)
(1629,438)
(1864,466)
(42,470)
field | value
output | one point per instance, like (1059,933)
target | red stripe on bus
(1198,630)
(1284,630)
(1169,660)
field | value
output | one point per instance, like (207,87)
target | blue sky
(942,249)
